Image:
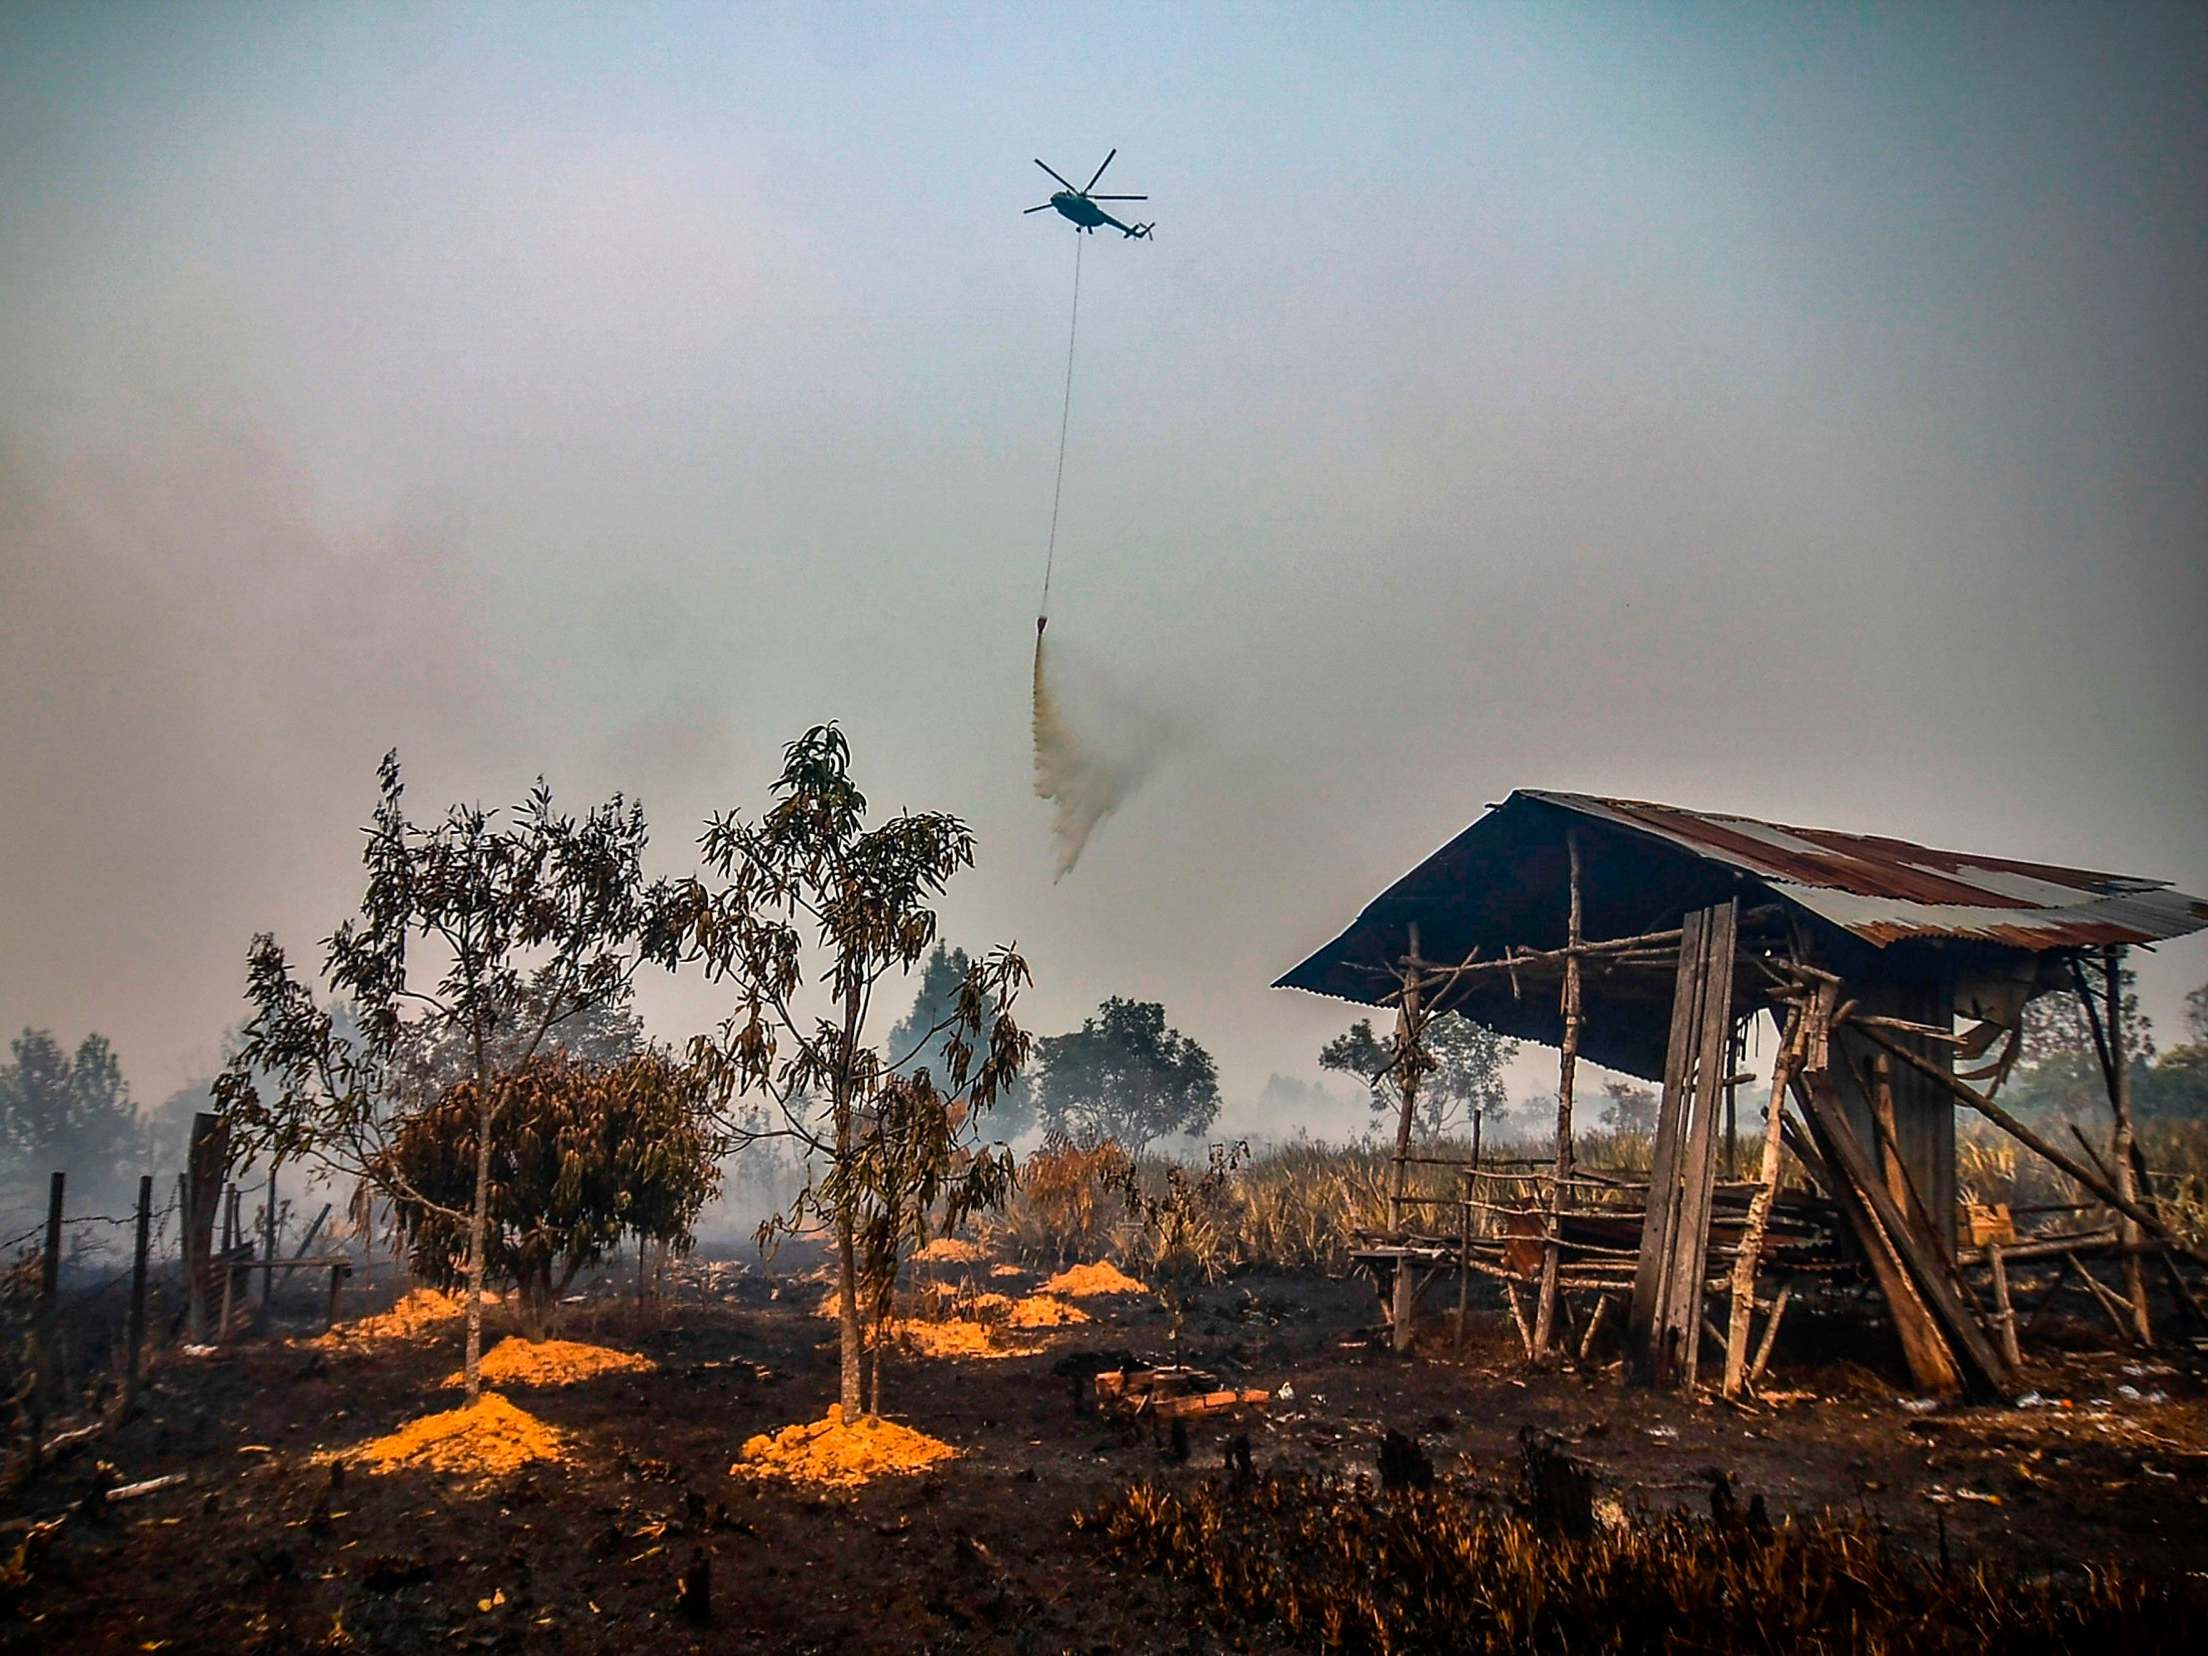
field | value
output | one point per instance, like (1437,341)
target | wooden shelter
(1647,938)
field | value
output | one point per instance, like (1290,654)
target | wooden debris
(1173,1393)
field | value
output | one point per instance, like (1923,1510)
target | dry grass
(1992,1167)
(1320,1564)
(1297,1206)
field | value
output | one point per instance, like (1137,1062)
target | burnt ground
(259,1552)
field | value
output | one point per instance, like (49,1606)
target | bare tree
(533,919)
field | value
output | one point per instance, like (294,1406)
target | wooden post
(329,1319)
(2004,1308)
(1770,1331)
(1946,1347)
(138,1291)
(1750,1253)
(1735,1053)
(205,1163)
(1408,1032)
(2127,1177)
(1665,1333)
(49,1288)
(314,1230)
(1544,1316)
(268,1241)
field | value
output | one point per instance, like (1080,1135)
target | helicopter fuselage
(1080,209)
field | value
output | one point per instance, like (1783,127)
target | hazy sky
(1782,410)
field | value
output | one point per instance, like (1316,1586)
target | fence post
(268,1241)
(209,1155)
(49,1285)
(138,1291)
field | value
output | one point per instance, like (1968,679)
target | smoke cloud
(1088,766)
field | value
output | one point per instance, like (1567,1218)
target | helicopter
(1081,207)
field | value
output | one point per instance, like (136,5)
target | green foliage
(1629,1107)
(1316,1563)
(582,1154)
(67,1111)
(1460,1078)
(923,1036)
(1124,1076)
(817,903)
(531,919)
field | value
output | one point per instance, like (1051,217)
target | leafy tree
(71,1112)
(2058,1069)
(603,1032)
(819,904)
(532,920)
(582,1154)
(2056,1024)
(1124,1076)
(1629,1107)
(923,1036)
(1462,1080)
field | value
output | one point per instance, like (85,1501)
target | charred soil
(272,1546)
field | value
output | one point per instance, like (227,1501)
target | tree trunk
(479,1229)
(852,1338)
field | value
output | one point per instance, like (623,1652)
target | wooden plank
(1691,1235)
(1204,1403)
(1977,1365)
(1656,1229)
(2004,1307)
(1931,1364)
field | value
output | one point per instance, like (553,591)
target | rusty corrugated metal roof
(1884,890)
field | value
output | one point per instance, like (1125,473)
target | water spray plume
(1087,773)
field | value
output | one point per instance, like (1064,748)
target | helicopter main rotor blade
(1119,198)
(1054,172)
(1044,208)
(1091,184)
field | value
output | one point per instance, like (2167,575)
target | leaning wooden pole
(1759,1208)
(2016,1129)
(2121,1150)
(1544,1320)
(1408,1049)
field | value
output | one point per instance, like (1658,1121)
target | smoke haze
(1787,411)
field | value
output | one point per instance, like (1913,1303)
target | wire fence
(79,1324)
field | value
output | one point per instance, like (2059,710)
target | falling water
(1087,773)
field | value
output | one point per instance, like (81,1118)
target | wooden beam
(1544,1318)
(2120,1150)
(1665,1333)
(2041,1147)
(1929,1283)
(1749,1254)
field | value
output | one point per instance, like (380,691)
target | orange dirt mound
(956,1337)
(990,1307)
(949,1250)
(827,1451)
(425,1311)
(1082,1281)
(1041,1311)
(518,1362)
(1007,1270)
(483,1439)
